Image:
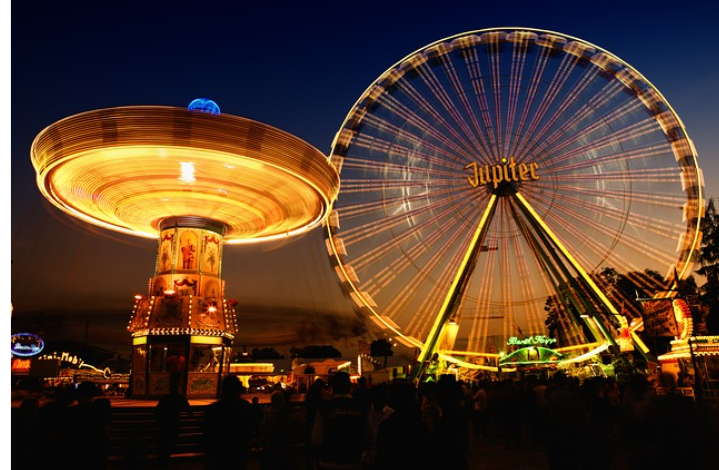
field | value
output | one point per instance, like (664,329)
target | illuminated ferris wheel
(489,178)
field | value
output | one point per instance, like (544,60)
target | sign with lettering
(26,344)
(64,356)
(531,341)
(659,319)
(508,172)
(531,355)
(20,365)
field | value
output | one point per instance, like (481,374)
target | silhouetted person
(402,432)
(378,411)
(279,430)
(24,428)
(479,410)
(54,429)
(361,393)
(452,432)
(429,408)
(512,414)
(168,411)
(313,402)
(341,431)
(228,428)
(256,419)
(634,426)
(569,425)
(90,421)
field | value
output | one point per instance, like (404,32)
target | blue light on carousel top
(204,105)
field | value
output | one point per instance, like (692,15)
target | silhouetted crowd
(596,424)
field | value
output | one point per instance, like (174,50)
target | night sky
(298,66)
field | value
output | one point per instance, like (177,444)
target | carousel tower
(195,180)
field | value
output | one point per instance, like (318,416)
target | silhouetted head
(341,383)
(638,383)
(86,391)
(402,396)
(449,391)
(231,387)
(277,397)
(560,379)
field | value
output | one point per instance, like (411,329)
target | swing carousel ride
(193,179)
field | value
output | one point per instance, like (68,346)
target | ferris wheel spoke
(542,124)
(544,105)
(441,207)
(533,90)
(475,133)
(409,235)
(488,138)
(442,95)
(479,326)
(567,150)
(431,145)
(420,324)
(589,113)
(576,240)
(431,121)
(439,250)
(518,60)
(582,224)
(625,157)
(576,203)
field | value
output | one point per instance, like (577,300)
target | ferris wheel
(492,171)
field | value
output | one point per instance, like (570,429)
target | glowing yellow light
(121,172)
(205,339)
(438,322)
(187,170)
(568,255)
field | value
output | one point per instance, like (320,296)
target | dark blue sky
(298,66)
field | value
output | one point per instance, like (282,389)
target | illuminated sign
(64,357)
(20,366)
(507,171)
(531,340)
(659,318)
(26,344)
(531,355)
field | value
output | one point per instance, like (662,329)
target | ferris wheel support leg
(456,289)
(577,267)
(559,277)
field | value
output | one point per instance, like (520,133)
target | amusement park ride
(494,170)
(481,176)
(193,179)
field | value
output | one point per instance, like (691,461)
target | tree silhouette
(266,353)
(709,259)
(381,347)
(315,351)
